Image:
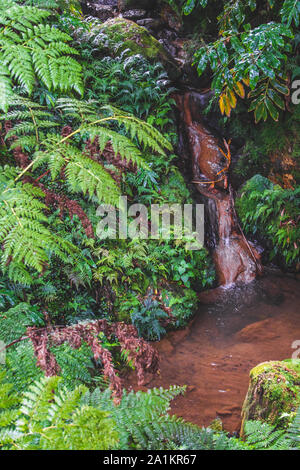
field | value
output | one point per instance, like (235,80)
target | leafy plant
(30,49)
(147,319)
(261,436)
(246,56)
(272,212)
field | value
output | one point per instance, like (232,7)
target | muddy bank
(233,331)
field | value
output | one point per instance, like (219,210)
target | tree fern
(30,49)
(82,174)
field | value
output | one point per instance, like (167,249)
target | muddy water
(235,259)
(234,330)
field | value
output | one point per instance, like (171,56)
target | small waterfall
(235,258)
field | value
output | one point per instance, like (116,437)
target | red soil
(233,332)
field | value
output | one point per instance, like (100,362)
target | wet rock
(234,262)
(235,259)
(167,35)
(134,14)
(150,23)
(101,10)
(169,47)
(133,37)
(273,390)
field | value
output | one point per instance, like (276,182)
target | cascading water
(235,259)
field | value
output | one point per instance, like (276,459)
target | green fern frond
(82,174)
(24,234)
(32,49)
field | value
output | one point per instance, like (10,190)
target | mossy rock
(138,40)
(274,393)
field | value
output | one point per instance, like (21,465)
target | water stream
(236,259)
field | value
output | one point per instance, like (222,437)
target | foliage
(33,49)
(141,354)
(145,92)
(76,133)
(272,212)
(24,230)
(250,55)
(147,319)
(53,417)
(81,172)
(262,436)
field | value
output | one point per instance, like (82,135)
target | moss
(128,35)
(274,393)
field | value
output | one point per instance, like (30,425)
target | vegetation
(49,416)
(272,212)
(71,140)
(251,52)
(87,114)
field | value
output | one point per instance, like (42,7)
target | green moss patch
(128,35)
(274,392)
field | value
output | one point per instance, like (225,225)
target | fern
(20,366)
(136,128)
(293,432)
(51,417)
(25,235)
(82,174)
(272,212)
(261,436)
(14,321)
(31,49)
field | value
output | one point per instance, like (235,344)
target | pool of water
(234,330)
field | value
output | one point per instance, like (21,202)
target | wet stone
(150,23)
(134,14)
(102,11)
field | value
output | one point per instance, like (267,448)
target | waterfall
(235,258)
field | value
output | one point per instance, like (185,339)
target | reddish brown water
(234,330)
(235,259)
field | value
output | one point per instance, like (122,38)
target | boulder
(153,24)
(102,10)
(134,14)
(135,38)
(274,393)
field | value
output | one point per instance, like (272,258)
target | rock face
(274,389)
(103,9)
(138,40)
(134,14)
